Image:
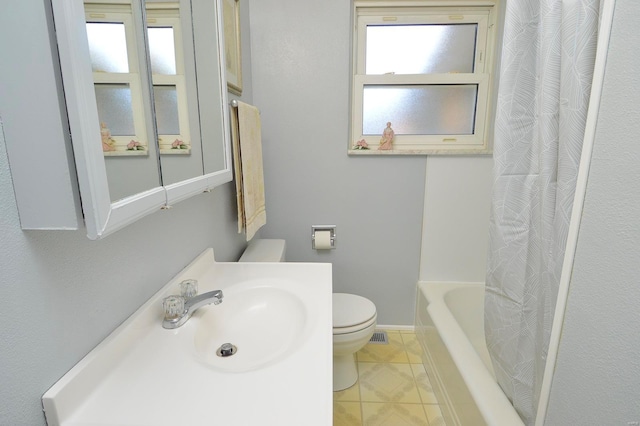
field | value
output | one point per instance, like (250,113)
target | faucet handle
(173,307)
(189,288)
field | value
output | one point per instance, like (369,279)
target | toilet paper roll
(323,240)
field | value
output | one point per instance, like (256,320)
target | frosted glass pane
(162,50)
(420,110)
(420,49)
(115,108)
(166,99)
(107,47)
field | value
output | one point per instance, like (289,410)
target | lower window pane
(441,109)
(115,109)
(166,99)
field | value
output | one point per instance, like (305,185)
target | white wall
(597,378)
(60,293)
(455,232)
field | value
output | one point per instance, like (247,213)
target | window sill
(425,151)
(126,153)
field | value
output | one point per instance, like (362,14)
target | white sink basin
(262,318)
(277,314)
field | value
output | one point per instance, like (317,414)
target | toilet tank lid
(351,309)
(264,251)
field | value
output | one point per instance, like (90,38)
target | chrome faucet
(178,310)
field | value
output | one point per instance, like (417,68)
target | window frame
(157,15)
(161,15)
(107,13)
(418,12)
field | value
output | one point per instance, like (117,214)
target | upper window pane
(108,47)
(162,50)
(420,49)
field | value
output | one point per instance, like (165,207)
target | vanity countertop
(143,374)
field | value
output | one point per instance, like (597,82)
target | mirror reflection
(143,57)
(172,67)
(212,86)
(118,61)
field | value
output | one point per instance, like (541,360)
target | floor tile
(393,352)
(379,414)
(412,346)
(424,384)
(434,415)
(347,414)
(387,382)
(349,394)
(393,388)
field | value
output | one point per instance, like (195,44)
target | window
(117,67)
(168,76)
(116,76)
(425,68)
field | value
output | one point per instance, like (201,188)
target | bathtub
(450,329)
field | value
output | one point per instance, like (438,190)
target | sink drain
(227,349)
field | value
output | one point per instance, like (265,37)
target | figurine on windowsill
(107,140)
(387,138)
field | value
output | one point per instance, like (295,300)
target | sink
(261,318)
(278,315)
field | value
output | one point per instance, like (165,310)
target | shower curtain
(546,71)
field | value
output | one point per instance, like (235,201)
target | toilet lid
(350,310)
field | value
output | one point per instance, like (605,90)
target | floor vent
(380,338)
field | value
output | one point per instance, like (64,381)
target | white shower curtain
(546,71)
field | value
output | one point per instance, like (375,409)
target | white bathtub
(450,328)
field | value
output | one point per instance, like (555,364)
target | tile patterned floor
(393,388)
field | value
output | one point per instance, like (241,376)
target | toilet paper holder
(332,235)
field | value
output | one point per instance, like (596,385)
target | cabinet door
(114,119)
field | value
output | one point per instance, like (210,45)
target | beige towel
(247,153)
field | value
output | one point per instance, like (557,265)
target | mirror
(121,85)
(189,24)
(170,43)
(201,23)
(149,122)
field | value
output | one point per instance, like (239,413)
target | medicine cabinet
(145,91)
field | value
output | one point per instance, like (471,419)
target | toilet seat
(355,328)
(352,313)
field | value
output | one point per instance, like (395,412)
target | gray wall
(301,64)
(597,378)
(300,61)
(61,294)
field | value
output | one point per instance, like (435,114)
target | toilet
(354,317)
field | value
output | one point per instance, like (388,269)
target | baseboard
(409,328)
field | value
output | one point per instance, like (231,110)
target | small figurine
(387,138)
(107,140)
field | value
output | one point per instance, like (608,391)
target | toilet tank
(264,251)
